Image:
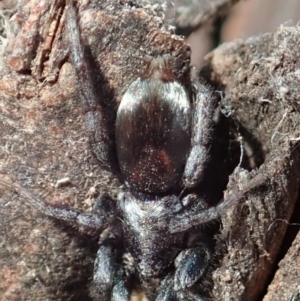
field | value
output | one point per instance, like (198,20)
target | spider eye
(153,134)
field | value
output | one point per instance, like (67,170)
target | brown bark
(260,83)
(43,140)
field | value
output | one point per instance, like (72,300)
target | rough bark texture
(43,140)
(259,79)
(285,285)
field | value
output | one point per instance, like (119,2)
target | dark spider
(162,141)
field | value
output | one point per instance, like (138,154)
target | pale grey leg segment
(202,123)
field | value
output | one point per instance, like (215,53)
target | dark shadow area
(222,162)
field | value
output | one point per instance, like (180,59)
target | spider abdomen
(153,134)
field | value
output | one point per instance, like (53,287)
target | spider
(162,141)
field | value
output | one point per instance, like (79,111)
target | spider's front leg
(96,220)
(196,215)
(100,137)
(110,281)
(108,278)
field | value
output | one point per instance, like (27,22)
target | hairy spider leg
(92,220)
(96,126)
(190,218)
(202,124)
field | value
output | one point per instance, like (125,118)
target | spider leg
(193,216)
(96,125)
(166,290)
(179,214)
(121,292)
(202,122)
(98,221)
(104,271)
(110,280)
(190,218)
(190,281)
(190,267)
(191,264)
